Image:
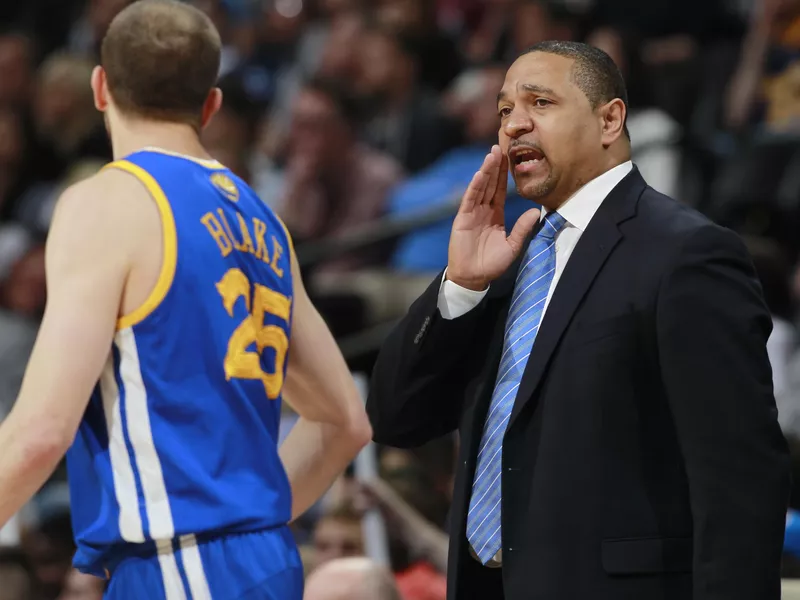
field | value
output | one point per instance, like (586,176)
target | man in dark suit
(608,375)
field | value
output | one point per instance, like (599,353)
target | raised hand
(479,250)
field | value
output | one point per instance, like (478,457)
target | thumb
(522,228)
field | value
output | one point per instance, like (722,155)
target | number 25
(244,364)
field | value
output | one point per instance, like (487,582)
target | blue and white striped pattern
(522,324)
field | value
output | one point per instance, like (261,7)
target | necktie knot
(553,223)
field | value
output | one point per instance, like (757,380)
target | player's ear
(212,105)
(99,89)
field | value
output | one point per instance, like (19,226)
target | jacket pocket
(642,556)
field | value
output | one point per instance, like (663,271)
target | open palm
(480,250)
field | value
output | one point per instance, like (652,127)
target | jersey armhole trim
(288,236)
(169,260)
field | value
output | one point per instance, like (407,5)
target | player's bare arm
(88,261)
(333,425)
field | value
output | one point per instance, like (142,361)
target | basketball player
(174,307)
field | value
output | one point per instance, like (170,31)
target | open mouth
(525,155)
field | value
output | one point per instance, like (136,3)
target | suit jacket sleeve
(712,327)
(418,384)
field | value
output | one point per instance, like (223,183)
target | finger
(477,187)
(499,198)
(494,174)
(522,229)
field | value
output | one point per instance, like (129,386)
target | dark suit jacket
(643,459)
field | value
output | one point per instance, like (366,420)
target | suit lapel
(591,252)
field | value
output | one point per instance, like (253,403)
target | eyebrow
(530,88)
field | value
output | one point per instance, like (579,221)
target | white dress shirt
(578,210)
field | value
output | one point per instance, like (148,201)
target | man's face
(15,65)
(317,129)
(380,59)
(543,112)
(481,114)
(335,538)
(404,15)
(25,290)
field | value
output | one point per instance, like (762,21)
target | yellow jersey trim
(209,164)
(170,246)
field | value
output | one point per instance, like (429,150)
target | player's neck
(129,137)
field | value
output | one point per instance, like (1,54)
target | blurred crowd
(361,122)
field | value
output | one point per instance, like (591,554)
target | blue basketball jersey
(180,436)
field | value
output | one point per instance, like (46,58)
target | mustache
(521,144)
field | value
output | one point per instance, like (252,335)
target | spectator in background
(415,514)
(534,21)
(427,543)
(229,136)
(404,119)
(473,99)
(437,57)
(340,58)
(48,542)
(330,51)
(655,136)
(17,56)
(14,238)
(15,576)
(88,31)
(24,293)
(67,135)
(765,87)
(22,297)
(80,586)
(331,182)
(351,579)
(64,115)
(507,27)
(12,155)
(337,534)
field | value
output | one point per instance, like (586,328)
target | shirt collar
(579,208)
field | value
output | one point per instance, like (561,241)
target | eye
(504,112)
(541,102)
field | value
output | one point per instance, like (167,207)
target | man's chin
(535,188)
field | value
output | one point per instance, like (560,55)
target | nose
(518,123)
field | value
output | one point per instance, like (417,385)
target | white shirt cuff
(455,301)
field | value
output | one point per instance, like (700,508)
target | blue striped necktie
(522,324)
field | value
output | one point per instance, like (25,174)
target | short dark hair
(407,44)
(345,103)
(594,72)
(161,59)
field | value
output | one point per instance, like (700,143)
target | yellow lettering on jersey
(247,241)
(224,219)
(260,230)
(216,231)
(241,362)
(277,252)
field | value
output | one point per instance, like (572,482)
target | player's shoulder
(106,215)
(107,198)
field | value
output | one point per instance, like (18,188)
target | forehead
(542,70)
(312,101)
